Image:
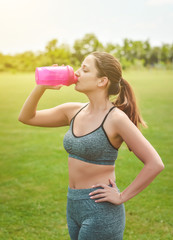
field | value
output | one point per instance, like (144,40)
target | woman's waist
(86,183)
(85,175)
(81,193)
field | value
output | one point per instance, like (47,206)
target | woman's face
(87,76)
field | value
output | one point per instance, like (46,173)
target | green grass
(33,162)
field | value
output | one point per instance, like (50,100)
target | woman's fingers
(97,191)
(112,182)
(100,185)
(101,195)
(104,199)
(106,193)
(57,87)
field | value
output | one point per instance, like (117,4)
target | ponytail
(126,101)
(107,65)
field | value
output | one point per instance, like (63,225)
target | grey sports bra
(93,147)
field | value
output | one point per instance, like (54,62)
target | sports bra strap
(79,111)
(107,115)
(104,117)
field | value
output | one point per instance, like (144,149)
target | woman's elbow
(20,119)
(162,166)
(159,166)
(155,166)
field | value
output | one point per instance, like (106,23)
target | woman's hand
(57,87)
(107,194)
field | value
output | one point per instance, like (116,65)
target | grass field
(33,162)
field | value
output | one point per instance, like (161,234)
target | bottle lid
(72,77)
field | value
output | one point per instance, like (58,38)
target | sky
(28,25)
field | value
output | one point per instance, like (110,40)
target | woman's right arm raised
(53,117)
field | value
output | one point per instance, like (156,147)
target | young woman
(95,205)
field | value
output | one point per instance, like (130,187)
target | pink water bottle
(55,75)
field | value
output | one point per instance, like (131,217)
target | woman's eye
(84,70)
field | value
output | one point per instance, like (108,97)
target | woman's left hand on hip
(107,193)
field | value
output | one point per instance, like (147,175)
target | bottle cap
(72,77)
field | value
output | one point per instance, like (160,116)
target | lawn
(33,162)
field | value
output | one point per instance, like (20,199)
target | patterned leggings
(88,220)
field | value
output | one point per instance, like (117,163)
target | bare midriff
(83,175)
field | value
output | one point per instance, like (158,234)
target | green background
(34,169)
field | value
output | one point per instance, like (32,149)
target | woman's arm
(53,117)
(140,146)
(28,110)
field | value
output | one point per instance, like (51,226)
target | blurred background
(41,32)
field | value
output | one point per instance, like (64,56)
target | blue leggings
(88,220)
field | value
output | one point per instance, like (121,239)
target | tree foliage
(130,54)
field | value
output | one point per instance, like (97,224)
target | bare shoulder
(121,122)
(118,115)
(118,119)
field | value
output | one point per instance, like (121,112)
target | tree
(60,55)
(83,47)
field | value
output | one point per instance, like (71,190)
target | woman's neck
(98,105)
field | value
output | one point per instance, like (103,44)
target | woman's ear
(103,82)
